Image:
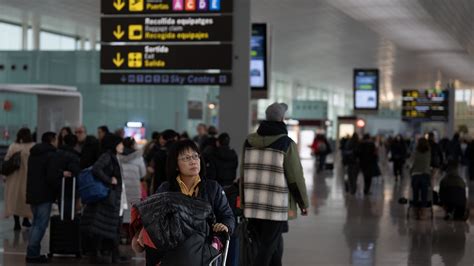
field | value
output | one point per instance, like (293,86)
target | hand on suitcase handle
(220,228)
(114,181)
(67,174)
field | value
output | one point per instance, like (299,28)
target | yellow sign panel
(135,60)
(136,5)
(135,32)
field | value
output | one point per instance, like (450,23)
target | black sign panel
(140,78)
(111,7)
(167,29)
(195,57)
(427,105)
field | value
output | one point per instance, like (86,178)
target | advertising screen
(258,60)
(428,105)
(366,89)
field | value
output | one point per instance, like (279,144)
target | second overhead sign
(167,29)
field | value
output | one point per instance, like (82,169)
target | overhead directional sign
(167,57)
(112,7)
(166,42)
(167,29)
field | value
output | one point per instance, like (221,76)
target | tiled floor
(340,230)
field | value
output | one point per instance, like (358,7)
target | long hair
(172,168)
(24,136)
(423,145)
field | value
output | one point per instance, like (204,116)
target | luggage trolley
(221,258)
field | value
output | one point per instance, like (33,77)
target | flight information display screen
(258,61)
(366,89)
(429,105)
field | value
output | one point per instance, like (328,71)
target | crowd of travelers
(176,199)
(424,159)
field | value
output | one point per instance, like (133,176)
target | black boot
(26,222)
(17,223)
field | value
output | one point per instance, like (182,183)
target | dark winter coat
(179,226)
(159,161)
(89,152)
(212,192)
(68,159)
(103,218)
(398,151)
(368,158)
(436,155)
(42,182)
(221,165)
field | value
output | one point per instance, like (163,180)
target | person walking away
(470,159)
(454,150)
(210,141)
(321,149)
(159,160)
(101,220)
(222,161)
(436,155)
(399,153)
(368,161)
(421,176)
(133,168)
(351,157)
(268,203)
(15,183)
(42,191)
(452,193)
(87,146)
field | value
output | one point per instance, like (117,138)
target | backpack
(321,147)
(91,189)
(11,165)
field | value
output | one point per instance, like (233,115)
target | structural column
(234,107)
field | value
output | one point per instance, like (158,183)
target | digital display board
(258,59)
(166,42)
(366,89)
(427,105)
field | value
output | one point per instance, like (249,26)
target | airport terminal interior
(330,132)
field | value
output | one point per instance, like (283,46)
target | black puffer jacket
(171,217)
(212,192)
(103,218)
(221,165)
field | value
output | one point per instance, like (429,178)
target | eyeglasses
(188,158)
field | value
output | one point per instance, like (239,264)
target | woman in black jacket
(185,173)
(101,220)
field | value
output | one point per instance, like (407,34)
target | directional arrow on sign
(118,33)
(118,60)
(119,4)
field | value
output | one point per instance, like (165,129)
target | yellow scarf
(189,191)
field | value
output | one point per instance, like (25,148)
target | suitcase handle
(63,188)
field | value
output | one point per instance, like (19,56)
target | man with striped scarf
(272,184)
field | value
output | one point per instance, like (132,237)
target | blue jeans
(41,214)
(234,251)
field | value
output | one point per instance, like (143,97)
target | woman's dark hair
(60,135)
(104,129)
(24,136)
(224,139)
(128,142)
(423,145)
(110,142)
(172,161)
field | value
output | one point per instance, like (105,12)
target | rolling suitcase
(64,233)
